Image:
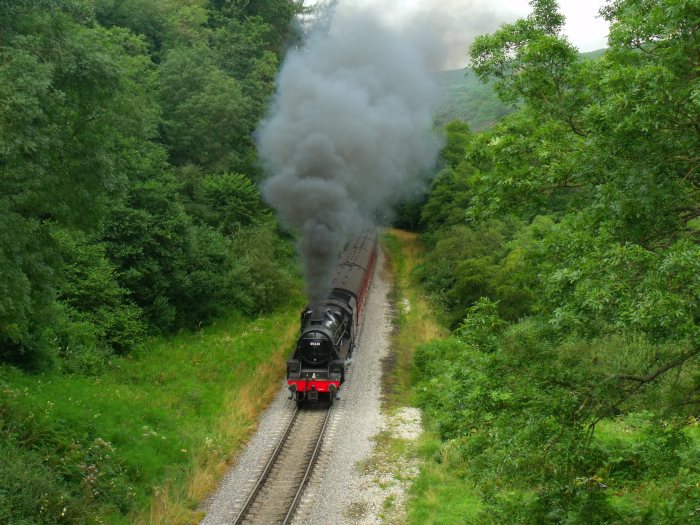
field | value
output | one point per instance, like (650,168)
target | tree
(77,111)
(206,114)
(531,60)
(595,176)
(278,14)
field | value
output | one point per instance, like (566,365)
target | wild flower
(104,444)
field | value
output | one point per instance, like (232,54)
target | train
(328,333)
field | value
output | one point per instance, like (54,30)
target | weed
(356,510)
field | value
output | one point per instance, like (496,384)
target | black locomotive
(328,331)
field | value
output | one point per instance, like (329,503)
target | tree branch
(648,378)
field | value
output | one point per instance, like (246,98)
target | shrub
(32,494)
(47,476)
(264,270)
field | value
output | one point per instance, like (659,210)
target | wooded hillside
(129,209)
(127,186)
(563,245)
(465,98)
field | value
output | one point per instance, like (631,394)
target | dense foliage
(563,245)
(128,170)
(128,207)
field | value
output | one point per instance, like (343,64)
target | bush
(97,315)
(264,269)
(32,494)
(470,262)
(522,410)
(47,476)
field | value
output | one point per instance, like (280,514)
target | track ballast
(278,490)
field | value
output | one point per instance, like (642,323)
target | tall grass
(415,320)
(172,416)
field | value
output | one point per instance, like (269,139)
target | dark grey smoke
(349,133)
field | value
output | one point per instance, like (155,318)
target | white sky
(463,19)
(584,27)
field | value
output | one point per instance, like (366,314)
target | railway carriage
(327,339)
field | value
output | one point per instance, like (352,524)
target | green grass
(439,496)
(415,321)
(172,415)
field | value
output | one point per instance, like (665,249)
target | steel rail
(309,468)
(266,471)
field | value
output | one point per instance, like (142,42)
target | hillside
(464,97)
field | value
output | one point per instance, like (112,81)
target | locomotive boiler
(328,331)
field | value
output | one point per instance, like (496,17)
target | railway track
(277,493)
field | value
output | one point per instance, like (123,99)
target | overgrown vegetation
(129,209)
(414,321)
(437,495)
(563,246)
(147,439)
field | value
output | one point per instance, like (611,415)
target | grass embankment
(415,319)
(148,439)
(438,495)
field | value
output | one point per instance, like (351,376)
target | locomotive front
(316,348)
(320,337)
(319,358)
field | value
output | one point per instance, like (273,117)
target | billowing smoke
(451,24)
(456,23)
(348,134)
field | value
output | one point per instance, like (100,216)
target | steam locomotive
(327,339)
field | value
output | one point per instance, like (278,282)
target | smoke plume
(348,133)
(456,23)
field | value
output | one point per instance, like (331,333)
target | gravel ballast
(351,484)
